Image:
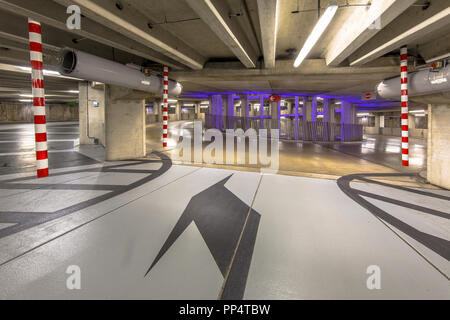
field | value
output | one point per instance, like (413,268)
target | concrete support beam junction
(133,24)
(54,15)
(268,17)
(215,14)
(412,26)
(361,26)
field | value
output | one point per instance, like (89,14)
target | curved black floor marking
(436,244)
(220,216)
(26,220)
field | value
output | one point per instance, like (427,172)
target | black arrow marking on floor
(26,220)
(220,217)
(436,244)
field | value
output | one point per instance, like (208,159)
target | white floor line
(31,133)
(33,152)
(32,141)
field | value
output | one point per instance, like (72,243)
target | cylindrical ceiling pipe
(419,83)
(79,64)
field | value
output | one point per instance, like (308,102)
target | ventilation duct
(79,64)
(420,83)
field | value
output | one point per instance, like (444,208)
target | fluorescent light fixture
(317,32)
(188,105)
(363,114)
(204,102)
(46,72)
(172,100)
(26,95)
(73,91)
(25,100)
(417,111)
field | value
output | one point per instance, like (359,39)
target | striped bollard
(404,99)
(166,106)
(37,79)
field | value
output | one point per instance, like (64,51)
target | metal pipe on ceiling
(420,83)
(86,66)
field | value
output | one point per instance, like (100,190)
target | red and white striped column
(166,106)
(37,79)
(404,99)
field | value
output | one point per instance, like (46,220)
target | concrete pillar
(296,118)
(216,105)
(377,124)
(197,110)
(229,111)
(275,113)
(438,160)
(308,116)
(91,114)
(348,118)
(178,111)
(125,124)
(244,106)
(329,120)
(245,112)
(261,112)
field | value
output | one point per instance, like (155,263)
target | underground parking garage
(224,150)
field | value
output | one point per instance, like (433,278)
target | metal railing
(290,128)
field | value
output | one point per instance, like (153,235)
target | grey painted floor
(17,146)
(153,230)
(309,240)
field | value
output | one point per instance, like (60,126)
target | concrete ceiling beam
(54,15)
(215,14)
(361,26)
(413,26)
(268,17)
(134,25)
(310,67)
(14,27)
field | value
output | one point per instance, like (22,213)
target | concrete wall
(92,119)
(396,132)
(20,112)
(438,161)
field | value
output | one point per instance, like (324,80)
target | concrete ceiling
(229,45)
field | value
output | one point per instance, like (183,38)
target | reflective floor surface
(374,154)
